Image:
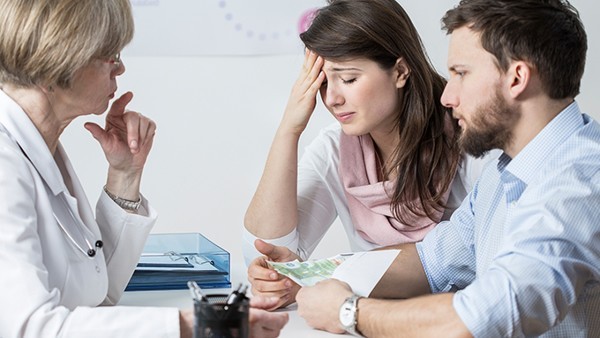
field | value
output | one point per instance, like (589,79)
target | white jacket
(48,286)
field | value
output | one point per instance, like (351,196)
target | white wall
(216,117)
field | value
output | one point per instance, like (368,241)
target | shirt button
(97,269)
(513,204)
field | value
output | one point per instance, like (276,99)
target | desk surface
(295,328)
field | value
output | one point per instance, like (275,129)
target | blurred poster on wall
(219,27)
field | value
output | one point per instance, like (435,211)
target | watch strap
(353,301)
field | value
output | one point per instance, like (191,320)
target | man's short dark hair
(547,34)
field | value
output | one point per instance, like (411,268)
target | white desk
(295,328)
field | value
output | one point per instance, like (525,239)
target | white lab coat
(48,287)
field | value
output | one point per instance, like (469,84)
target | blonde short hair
(44,42)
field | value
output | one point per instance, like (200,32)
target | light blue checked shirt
(523,249)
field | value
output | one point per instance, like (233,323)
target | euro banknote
(309,272)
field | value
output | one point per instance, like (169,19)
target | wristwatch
(349,315)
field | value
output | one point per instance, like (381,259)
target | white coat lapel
(26,135)
(65,209)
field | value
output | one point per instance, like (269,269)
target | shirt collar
(526,164)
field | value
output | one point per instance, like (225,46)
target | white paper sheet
(363,270)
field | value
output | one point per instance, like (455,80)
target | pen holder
(215,319)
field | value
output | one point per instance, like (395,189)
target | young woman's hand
(266,282)
(303,98)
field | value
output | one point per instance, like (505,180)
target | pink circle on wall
(306,19)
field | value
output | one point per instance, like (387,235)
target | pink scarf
(368,202)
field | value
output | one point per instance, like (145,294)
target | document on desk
(361,270)
(174,262)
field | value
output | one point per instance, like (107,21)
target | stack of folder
(169,261)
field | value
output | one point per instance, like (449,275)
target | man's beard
(490,127)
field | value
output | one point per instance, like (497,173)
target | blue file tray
(169,261)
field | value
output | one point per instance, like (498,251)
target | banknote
(309,272)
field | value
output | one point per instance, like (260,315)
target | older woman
(59,60)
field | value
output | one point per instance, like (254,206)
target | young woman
(390,169)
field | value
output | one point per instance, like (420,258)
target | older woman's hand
(265,324)
(126,141)
(127,137)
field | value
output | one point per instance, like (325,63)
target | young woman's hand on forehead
(303,98)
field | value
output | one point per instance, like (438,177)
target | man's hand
(319,305)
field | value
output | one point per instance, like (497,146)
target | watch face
(347,315)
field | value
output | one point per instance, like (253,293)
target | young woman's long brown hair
(425,159)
